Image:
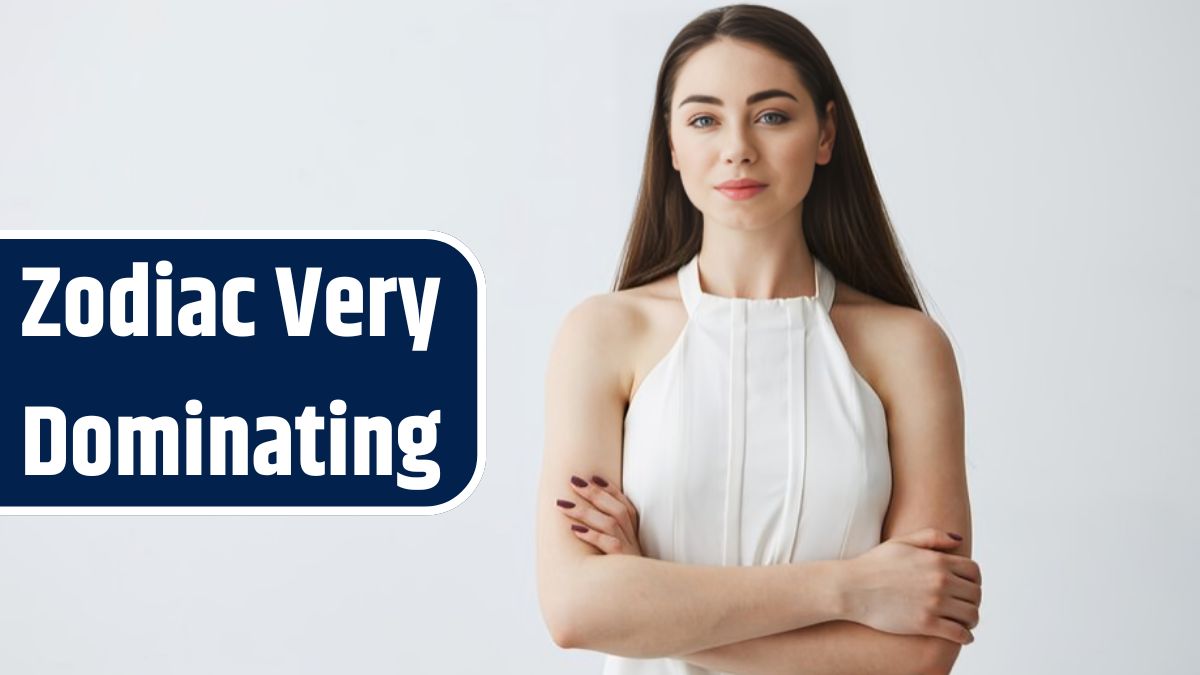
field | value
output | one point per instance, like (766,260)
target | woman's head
(737,110)
(819,175)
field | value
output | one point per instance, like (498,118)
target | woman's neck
(766,263)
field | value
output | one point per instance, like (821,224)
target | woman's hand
(902,586)
(602,516)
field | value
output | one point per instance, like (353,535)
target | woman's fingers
(961,612)
(967,591)
(593,536)
(607,504)
(633,513)
(965,568)
(603,516)
(953,631)
(583,511)
(605,542)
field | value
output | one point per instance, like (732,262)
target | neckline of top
(693,295)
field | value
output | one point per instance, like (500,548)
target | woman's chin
(746,219)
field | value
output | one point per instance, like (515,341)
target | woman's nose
(738,148)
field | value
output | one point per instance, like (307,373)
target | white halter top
(754,441)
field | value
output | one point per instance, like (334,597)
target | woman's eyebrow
(753,98)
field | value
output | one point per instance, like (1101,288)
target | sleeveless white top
(754,441)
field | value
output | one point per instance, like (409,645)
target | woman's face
(738,111)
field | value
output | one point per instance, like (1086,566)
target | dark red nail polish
(957,537)
(579,528)
(599,481)
(566,504)
(578,482)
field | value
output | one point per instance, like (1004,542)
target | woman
(761,402)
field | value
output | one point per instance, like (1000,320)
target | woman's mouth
(740,189)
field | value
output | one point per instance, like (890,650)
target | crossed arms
(760,619)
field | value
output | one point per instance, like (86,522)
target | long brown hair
(845,222)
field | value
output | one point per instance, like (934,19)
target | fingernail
(599,481)
(578,482)
(566,504)
(579,528)
(957,537)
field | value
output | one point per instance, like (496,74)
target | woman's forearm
(831,648)
(645,608)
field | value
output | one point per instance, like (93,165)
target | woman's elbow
(562,631)
(563,637)
(580,610)
(575,626)
(578,622)
(941,656)
(561,615)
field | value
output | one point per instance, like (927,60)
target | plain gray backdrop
(1038,160)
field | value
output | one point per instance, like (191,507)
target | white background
(1038,159)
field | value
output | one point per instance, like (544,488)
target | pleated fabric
(754,441)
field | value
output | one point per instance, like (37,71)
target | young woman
(762,401)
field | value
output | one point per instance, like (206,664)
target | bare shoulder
(890,344)
(624,332)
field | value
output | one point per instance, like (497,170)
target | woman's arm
(646,608)
(629,605)
(831,648)
(923,397)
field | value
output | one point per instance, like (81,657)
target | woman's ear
(828,132)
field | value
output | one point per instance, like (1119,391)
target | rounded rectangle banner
(249,372)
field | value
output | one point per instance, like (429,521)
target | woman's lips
(740,193)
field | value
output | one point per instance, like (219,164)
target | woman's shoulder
(619,330)
(617,314)
(625,312)
(881,319)
(882,338)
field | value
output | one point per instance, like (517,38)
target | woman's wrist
(839,585)
(820,591)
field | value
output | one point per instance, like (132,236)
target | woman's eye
(772,119)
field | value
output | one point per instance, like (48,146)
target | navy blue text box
(270,373)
